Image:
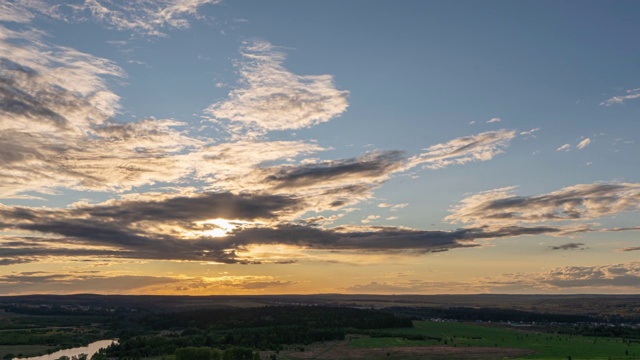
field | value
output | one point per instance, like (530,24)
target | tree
(216,354)
(193,353)
(237,353)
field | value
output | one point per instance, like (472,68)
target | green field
(546,346)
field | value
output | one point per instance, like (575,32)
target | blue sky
(411,147)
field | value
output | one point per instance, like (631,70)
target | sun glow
(221,227)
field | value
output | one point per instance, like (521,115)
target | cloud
(392,207)
(250,282)
(77,282)
(56,124)
(236,166)
(529,134)
(369,219)
(635,248)
(272,98)
(180,228)
(620,99)
(372,239)
(374,287)
(621,278)
(105,282)
(212,227)
(565,147)
(173,228)
(568,246)
(373,166)
(494,120)
(15,12)
(479,147)
(320,185)
(500,207)
(416,286)
(145,17)
(15,260)
(618,275)
(583,144)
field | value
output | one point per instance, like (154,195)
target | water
(89,350)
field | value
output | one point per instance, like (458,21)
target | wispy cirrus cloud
(620,99)
(146,17)
(15,11)
(272,98)
(480,147)
(529,134)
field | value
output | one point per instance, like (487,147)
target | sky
(204,147)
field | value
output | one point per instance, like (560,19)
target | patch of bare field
(341,350)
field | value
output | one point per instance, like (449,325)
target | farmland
(315,328)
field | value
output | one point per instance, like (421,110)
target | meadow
(545,345)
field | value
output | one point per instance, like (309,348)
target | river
(89,350)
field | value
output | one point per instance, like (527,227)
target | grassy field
(22,350)
(546,346)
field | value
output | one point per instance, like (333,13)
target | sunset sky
(271,147)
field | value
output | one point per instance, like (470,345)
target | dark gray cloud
(569,246)
(377,238)
(27,94)
(15,260)
(370,166)
(118,226)
(195,208)
(635,248)
(155,229)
